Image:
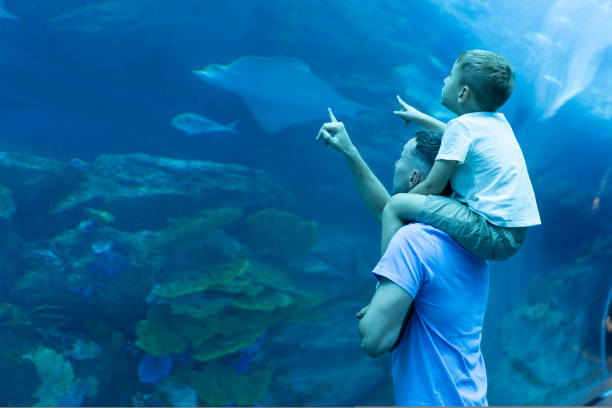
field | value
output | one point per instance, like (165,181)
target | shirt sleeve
(456,142)
(403,261)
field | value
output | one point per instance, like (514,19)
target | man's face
(406,174)
(450,90)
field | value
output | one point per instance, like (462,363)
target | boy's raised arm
(436,180)
(411,114)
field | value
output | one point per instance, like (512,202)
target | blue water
(88,79)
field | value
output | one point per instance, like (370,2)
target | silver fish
(193,124)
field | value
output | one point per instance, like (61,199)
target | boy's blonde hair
(489,76)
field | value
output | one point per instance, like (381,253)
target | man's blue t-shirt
(438,360)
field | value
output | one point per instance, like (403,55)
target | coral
(237,285)
(18,382)
(208,305)
(153,368)
(177,394)
(219,385)
(80,389)
(7,205)
(193,281)
(267,301)
(281,233)
(56,374)
(268,275)
(235,329)
(220,345)
(163,333)
(183,230)
(11,315)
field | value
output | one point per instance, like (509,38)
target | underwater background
(144,266)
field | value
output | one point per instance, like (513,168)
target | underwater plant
(217,384)
(56,373)
(281,233)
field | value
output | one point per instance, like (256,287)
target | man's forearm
(371,190)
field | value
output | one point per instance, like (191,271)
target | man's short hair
(489,76)
(428,145)
(427,148)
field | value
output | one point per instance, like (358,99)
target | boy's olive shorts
(470,229)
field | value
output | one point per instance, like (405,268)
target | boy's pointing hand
(408,113)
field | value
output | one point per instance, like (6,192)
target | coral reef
(18,382)
(7,205)
(281,233)
(555,314)
(143,191)
(193,281)
(143,260)
(218,385)
(56,373)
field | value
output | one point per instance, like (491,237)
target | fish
(109,16)
(560,52)
(194,124)
(279,92)
(4,13)
(568,65)
(421,88)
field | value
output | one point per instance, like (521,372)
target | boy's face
(451,88)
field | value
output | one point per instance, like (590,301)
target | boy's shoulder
(477,121)
(480,117)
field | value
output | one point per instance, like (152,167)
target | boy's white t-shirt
(491,175)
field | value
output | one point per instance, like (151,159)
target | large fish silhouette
(560,46)
(6,14)
(109,16)
(573,40)
(279,92)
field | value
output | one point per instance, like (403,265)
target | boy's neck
(468,108)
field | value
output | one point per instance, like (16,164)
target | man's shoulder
(419,230)
(424,237)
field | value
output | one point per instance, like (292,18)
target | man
(436,358)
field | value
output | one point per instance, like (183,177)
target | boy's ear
(463,94)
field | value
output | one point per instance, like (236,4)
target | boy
(494,202)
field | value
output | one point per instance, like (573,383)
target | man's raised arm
(371,190)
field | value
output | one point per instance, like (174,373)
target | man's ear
(415,177)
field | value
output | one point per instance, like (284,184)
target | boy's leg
(400,209)
(471,230)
